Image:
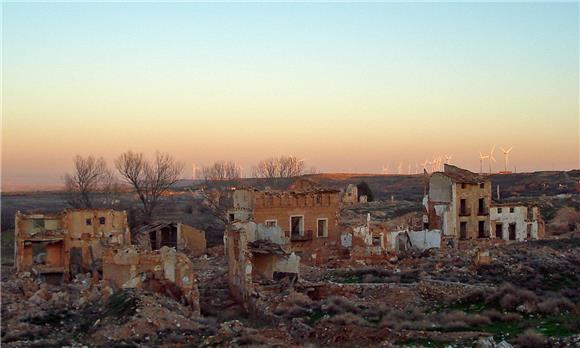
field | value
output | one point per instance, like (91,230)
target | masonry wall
(471,193)
(165,271)
(239,267)
(518,216)
(192,239)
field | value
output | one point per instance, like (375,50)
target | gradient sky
(349,87)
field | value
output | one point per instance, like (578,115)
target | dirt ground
(528,295)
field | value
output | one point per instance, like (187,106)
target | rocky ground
(528,296)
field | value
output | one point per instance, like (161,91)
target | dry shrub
(299,299)
(369,278)
(531,339)
(556,306)
(459,319)
(346,319)
(493,315)
(339,304)
(511,317)
(509,301)
(475,295)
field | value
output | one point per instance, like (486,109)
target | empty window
(481,229)
(511,210)
(462,186)
(481,206)
(297,225)
(512,231)
(271,223)
(322,227)
(482,185)
(102,220)
(232,217)
(499,231)
(38,224)
(88,222)
(463,230)
(463,207)
(499,210)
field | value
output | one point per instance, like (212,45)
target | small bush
(493,315)
(556,306)
(511,317)
(347,319)
(509,301)
(531,339)
(341,304)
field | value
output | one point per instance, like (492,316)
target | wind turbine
(491,158)
(481,159)
(386,169)
(448,158)
(506,154)
(425,164)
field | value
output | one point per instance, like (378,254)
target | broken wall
(165,271)
(191,239)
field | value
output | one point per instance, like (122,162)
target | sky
(348,87)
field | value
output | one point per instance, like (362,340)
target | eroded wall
(166,271)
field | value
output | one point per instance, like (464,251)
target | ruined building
(61,245)
(176,235)
(165,271)
(458,203)
(516,222)
(256,253)
(308,217)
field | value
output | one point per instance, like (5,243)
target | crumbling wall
(518,217)
(166,271)
(192,240)
(70,242)
(239,266)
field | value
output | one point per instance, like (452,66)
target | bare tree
(221,170)
(279,167)
(87,178)
(149,180)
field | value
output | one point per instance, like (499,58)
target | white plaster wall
(440,188)
(518,217)
(425,239)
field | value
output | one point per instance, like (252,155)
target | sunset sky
(348,87)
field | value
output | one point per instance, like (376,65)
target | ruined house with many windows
(307,215)
(61,245)
(459,203)
(512,221)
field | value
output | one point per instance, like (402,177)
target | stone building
(516,222)
(308,217)
(256,253)
(164,271)
(61,245)
(458,203)
(177,235)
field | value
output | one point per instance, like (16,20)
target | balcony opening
(481,229)
(297,225)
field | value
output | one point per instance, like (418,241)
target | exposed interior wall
(192,240)
(239,266)
(72,241)
(164,270)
